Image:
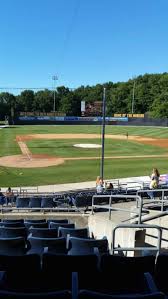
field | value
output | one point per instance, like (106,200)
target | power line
(25,87)
(33,88)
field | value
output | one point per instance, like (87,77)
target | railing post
(159,239)
(139,226)
(162,205)
(110,200)
(140,210)
(92,204)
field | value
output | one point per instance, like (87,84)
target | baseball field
(44,155)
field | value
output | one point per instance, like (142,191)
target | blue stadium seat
(13,246)
(53,245)
(22,202)
(43,232)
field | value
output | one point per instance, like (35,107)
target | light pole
(133,97)
(54,78)
(103,132)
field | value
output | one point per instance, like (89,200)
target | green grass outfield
(81,170)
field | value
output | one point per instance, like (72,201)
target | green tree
(70,105)
(43,101)
(7,104)
(25,100)
(160,106)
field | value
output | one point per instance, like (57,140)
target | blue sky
(83,42)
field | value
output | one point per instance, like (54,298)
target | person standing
(154,183)
(154,178)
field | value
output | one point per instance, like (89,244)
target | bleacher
(50,257)
(74,200)
(56,259)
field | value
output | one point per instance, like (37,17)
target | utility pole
(54,78)
(103,132)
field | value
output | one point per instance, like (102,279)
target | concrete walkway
(131,182)
(128,182)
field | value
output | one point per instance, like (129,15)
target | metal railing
(136,226)
(158,194)
(119,185)
(111,208)
(25,190)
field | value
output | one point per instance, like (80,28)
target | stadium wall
(74,120)
(66,120)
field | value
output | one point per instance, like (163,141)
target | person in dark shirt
(9,196)
(2,198)
(110,186)
(1,194)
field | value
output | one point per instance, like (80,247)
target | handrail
(162,200)
(109,205)
(140,226)
(27,189)
(27,209)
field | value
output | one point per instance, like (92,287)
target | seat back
(85,265)
(12,246)
(35,221)
(57,225)
(78,246)
(43,232)
(35,202)
(73,232)
(22,272)
(127,273)
(22,202)
(36,224)
(10,232)
(81,201)
(12,220)
(12,224)
(54,245)
(47,202)
(160,270)
(58,221)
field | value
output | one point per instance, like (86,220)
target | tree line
(146,93)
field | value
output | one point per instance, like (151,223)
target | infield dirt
(28,160)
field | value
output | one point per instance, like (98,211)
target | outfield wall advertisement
(68,118)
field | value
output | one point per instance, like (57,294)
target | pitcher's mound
(87,145)
(23,161)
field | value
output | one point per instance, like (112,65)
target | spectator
(154,181)
(2,198)
(99,185)
(99,181)
(154,178)
(110,186)
(9,196)
(1,194)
